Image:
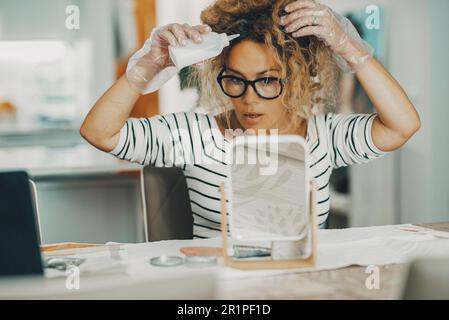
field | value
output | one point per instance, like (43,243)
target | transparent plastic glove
(307,17)
(151,67)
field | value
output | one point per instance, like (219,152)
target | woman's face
(250,60)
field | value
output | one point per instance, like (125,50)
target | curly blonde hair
(305,62)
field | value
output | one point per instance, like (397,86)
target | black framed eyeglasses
(235,87)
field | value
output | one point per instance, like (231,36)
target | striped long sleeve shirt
(194,142)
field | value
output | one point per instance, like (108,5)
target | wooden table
(345,283)
(340,271)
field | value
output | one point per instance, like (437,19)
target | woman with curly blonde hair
(280,74)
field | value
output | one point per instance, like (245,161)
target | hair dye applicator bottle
(212,45)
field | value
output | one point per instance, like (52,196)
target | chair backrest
(166,203)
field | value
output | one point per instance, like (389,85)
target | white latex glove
(308,17)
(151,67)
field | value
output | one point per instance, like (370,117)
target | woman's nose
(250,95)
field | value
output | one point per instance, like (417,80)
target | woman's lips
(251,117)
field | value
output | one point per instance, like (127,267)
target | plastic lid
(166,261)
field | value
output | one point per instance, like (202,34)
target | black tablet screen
(19,248)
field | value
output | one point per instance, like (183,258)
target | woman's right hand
(150,61)
(173,34)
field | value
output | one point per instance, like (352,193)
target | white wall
(439,74)
(97,27)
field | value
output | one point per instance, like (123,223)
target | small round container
(166,261)
(200,261)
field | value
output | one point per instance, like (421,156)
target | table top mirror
(268,201)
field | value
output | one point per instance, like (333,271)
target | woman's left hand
(307,18)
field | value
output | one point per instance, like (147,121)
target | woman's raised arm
(103,123)
(397,119)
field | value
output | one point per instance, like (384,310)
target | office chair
(166,204)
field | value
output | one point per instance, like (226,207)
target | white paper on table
(336,249)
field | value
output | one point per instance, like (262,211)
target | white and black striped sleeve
(350,139)
(148,141)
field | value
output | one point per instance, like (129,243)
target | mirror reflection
(269,210)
